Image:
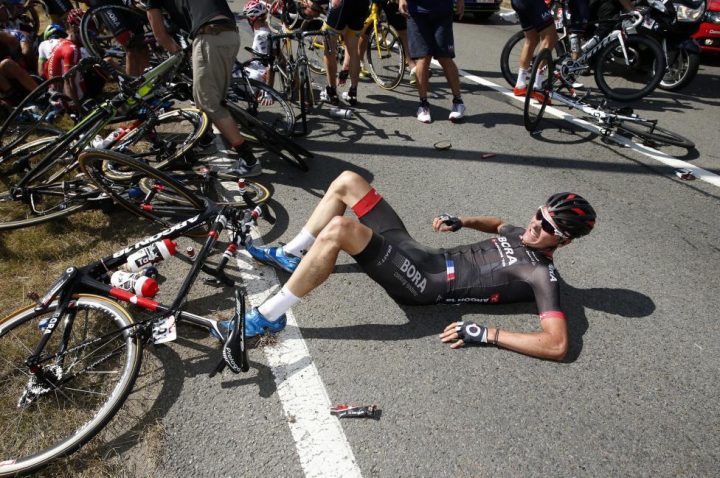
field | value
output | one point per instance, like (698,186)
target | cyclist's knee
(338,231)
(346,182)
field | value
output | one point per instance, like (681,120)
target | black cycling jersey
(493,271)
(190,15)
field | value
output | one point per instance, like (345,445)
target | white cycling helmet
(254,10)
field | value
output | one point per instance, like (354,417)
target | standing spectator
(538,25)
(430,34)
(215,45)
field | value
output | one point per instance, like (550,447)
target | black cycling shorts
(412,274)
(350,14)
(533,14)
(431,35)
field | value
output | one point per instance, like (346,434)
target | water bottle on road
(341,113)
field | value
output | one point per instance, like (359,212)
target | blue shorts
(533,14)
(431,35)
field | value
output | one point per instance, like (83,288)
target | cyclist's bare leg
(423,75)
(451,74)
(13,71)
(229,129)
(333,231)
(406,48)
(351,44)
(331,62)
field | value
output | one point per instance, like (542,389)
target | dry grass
(31,259)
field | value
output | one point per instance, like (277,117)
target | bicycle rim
(654,135)
(386,57)
(622,80)
(168,140)
(534,110)
(222,189)
(86,385)
(33,112)
(42,199)
(128,194)
(274,16)
(315,51)
(264,103)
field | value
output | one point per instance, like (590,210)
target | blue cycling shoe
(255,324)
(274,256)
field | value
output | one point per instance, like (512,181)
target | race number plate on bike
(165,330)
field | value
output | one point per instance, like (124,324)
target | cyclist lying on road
(516,266)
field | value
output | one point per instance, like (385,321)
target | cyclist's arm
(490,225)
(155,17)
(551,343)
(627,5)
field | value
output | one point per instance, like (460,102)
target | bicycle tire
(195,181)
(85,402)
(278,115)
(31,113)
(386,57)
(128,194)
(510,56)
(684,68)
(39,201)
(621,82)
(315,52)
(167,141)
(99,40)
(543,61)
(274,15)
(652,133)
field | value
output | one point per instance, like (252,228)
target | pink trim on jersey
(366,204)
(552,314)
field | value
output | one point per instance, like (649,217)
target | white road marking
(659,156)
(320,441)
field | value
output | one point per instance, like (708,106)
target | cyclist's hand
(461,333)
(403,9)
(446,222)
(265,99)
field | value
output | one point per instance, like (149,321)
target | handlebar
(638,18)
(301,35)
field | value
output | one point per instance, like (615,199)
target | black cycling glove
(454,222)
(470,332)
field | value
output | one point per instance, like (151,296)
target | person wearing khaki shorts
(215,45)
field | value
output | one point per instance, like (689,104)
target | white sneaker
(577,84)
(458,112)
(423,114)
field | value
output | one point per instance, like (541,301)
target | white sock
(539,79)
(278,304)
(299,246)
(521,79)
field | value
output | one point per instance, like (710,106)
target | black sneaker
(332,95)
(206,144)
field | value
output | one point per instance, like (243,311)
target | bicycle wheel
(51,414)
(386,57)
(630,80)
(684,68)
(40,200)
(264,103)
(652,134)
(274,15)
(510,56)
(34,111)
(163,143)
(97,36)
(221,188)
(315,51)
(126,192)
(534,109)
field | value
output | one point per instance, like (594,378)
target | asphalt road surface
(638,392)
